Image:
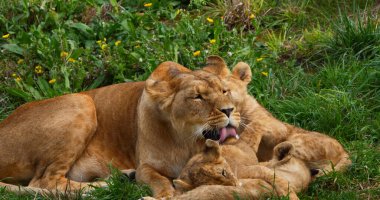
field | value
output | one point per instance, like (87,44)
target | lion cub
(208,176)
(289,167)
(320,152)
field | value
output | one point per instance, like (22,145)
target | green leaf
(19,93)
(135,55)
(81,27)
(115,5)
(76,53)
(128,26)
(45,87)
(98,81)
(13,48)
(36,95)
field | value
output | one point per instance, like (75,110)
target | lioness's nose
(227,111)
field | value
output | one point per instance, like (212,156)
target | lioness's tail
(23,190)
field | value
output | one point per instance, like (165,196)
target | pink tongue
(226,132)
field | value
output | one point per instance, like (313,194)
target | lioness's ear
(159,85)
(212,149)
(242,71)
(181,185)
(217,66)
(283,151)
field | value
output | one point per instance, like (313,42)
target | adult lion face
(237,81)
(196,103)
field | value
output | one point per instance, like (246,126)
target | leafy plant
(312,66)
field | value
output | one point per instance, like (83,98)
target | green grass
(315,64)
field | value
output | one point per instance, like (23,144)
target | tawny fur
(319,151)
(155,126)
(263,132)
(208,175)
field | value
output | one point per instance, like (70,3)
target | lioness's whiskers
(245,118)
(198,133)
(246,126)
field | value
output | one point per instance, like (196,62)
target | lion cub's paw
(129,173)
(147,198)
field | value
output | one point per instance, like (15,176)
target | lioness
(154,126)
(263,132)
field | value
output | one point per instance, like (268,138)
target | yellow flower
(14,75)
(20,61)
(197,53)
(104,46)
(117,43)
(6,36)
(18,79)
(210,20)
(148,5)
(212,41)
(64,54)
(72,60)
(38,69)
(264,73)
(252,16)
(52,81)
(99,42)
(259,59)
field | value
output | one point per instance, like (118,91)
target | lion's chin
(222,134)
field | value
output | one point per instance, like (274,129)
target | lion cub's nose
(227,111)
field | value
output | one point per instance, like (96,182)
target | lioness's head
(196,104)
(237,81)
(206,168)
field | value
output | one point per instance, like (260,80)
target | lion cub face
(206,168)
(196,103)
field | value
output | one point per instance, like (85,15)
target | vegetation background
(316,64)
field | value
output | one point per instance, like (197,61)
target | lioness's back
(28,133)
(116,133)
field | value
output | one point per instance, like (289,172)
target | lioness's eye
(225,92)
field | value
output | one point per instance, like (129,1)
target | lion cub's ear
(212,150)
(242,71)
(181,185)
(283,151)
(159,84)
(217,66)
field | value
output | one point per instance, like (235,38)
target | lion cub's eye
(198,97)
(224,173)
(225,92)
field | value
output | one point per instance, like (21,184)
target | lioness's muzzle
(221,135)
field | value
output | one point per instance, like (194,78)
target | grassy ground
(315,64)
